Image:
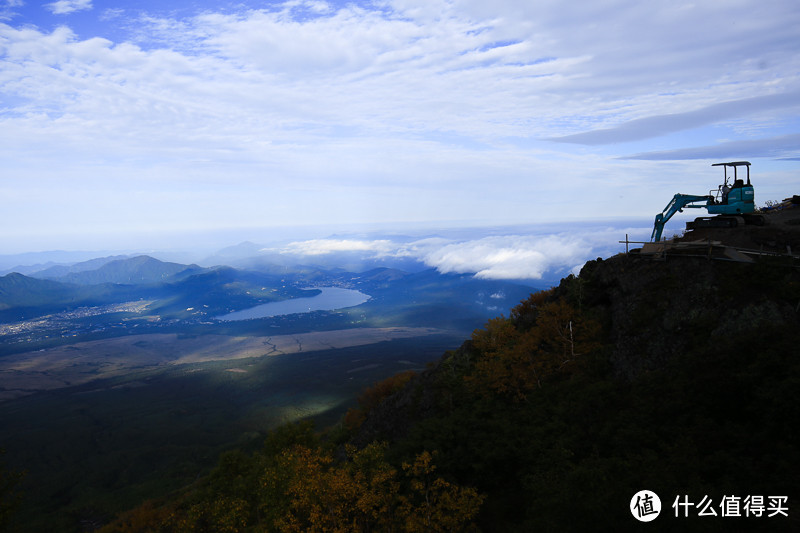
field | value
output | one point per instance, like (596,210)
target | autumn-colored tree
(515,360)
(373,396)
(434,504)
(149,517)
(525,313)
(304,487)
(378,486)
(355,495)
(300,472)
(219,515)
(364,493)
(504,363)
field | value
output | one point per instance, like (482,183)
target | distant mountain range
(181,291)
(29,263)
(61,270)
(134,270)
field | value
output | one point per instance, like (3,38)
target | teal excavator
(733,204)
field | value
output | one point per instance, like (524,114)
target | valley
(119,381)
(83,362)
(94,449)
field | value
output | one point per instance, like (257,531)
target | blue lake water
(329,299)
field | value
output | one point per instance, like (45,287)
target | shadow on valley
(92,451)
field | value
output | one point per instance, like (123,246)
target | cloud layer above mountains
(507,256)
(510,257)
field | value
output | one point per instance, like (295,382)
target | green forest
(680,377)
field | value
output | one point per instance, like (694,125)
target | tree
(366,493)
(355,495)
(516,358)
(434,504)
(373,396)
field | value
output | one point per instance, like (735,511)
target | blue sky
(122,126)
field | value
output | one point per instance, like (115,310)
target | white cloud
(327,246)
(112,13)
(505,256)
(771,147)
(7,8)
(470,77)
(65,7)
(655,126)
(409,110)
(508,257)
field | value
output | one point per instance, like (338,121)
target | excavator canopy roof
(733,164)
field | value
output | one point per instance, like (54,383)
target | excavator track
(726,221)
(714,222)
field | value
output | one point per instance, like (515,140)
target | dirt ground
(780,233)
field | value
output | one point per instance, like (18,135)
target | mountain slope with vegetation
(23,296)
(141,269)
(679,377)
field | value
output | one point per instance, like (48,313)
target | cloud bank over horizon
(512,256)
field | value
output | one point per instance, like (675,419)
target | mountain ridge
(620,379)
(59,271)
(687,343)
(141,269)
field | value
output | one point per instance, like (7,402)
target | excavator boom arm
(676,205)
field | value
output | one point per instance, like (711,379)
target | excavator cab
(735,198)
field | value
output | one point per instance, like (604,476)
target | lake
(329,299)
